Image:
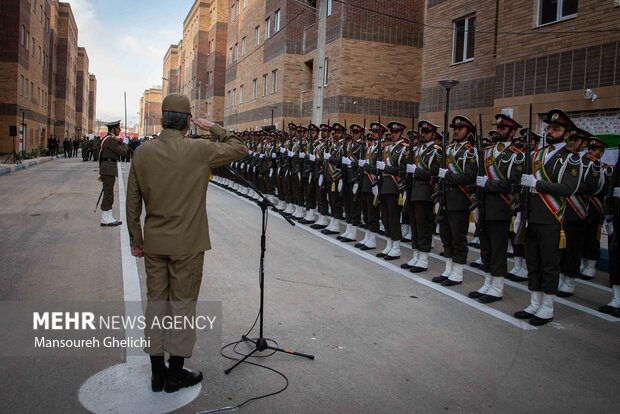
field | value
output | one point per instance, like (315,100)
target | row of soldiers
(546,199)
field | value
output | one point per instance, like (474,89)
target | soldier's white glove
(528,180)
(299,176)
(617,192)
(380,165)
(290,153)
(443,172)
(481,180)
(282,150)
(251,152)
(273,155)
(375,190)
(270,172)
(411,168)
(312,157)
(346,160)
(362,163)
(355,187)
(608,225)
(326,155)
(340,184)
(261,156)
(476,214)
(517,223)
(302,155)
(320,180)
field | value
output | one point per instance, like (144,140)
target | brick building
(41,90)
(544,52)
(24,78)
(92,102)
(150,111)
(81,93)
(195,66)
(372,66)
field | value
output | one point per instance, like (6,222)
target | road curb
(11,168)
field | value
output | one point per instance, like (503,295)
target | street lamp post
(272,107)
(447,84)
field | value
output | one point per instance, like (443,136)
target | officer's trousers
(108,192)
(494,247)
(422,223)
(543,257)
(453,231)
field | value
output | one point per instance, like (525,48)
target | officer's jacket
(395,157)
(578,204)
(427,158)
(558,178)
(111,150)
(462,170)
(503,168)
(370,168)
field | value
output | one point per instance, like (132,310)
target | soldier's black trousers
(335,202)
(591,247)
(298,189)
(390,216)
(280,185)
(453,231)
(494,247)
(370,212)
(570,261)
(422,223)
(352,209)
(517,249)
(321,199)
(108,192)
(543,257)
(288,189)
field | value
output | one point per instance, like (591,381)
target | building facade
(506,55)
(150,112)
(92,102)
(372,66)
(41,91)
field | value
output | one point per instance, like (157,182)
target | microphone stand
(261,342)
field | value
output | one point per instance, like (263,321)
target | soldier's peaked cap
(301,128)
(428,126)
(113,123)
(462,121)
(535,136)
(583,134)
(506,121)
(325,127)
(559,117)
(597,142)
(356,128)
(176,102)
(291,125)
(379,127)
(313,127)
(396,126)
(336,126)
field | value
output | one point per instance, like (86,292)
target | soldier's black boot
(158,373)
(178,377)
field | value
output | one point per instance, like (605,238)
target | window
(33,47)
(245,4)
(22,35)
(267,27)
(550,11)
(21,85)
(257,35)
(27,40)
(228,99)
(230,56)
(265,86)
(232,12)
(31,89)
(326,72)
(234,97)
(254,89)
(241,94)
(276,23)
(41,14)
(329,7)
(238,8)
(463,41)
(274,81)
(39,55)
(243,46)
(236,51)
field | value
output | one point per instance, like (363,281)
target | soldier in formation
(548,212)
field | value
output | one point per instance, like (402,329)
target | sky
(126,42)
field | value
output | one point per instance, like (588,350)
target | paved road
(384,342)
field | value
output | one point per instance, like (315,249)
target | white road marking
(125,388)
(470,302)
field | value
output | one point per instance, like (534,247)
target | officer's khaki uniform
(110,151)
(171,175)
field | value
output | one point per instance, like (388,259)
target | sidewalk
(10,168)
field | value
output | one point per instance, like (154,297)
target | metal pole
(317,95)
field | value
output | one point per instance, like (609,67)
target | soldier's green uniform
(111,150)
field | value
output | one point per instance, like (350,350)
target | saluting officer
(503,168)
(459,175)
(555,176)
(424,168)
(393,169)
(111,149)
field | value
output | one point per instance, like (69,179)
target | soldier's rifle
(360,169)
(379,172)
(524,197)
(409,183)
(345,153)
(478,195)
(439,196)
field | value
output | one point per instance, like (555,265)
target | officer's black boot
(178,377)
(158,373)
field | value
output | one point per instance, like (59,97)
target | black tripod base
(262,345)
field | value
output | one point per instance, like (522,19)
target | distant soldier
(392,168)
(424,168)
(76,146)
(111,149)
(503,168)
(89,148)
(84,147)
(333,178)
(96,148)
(50,146)
(350,158)
(459,175)
(66,146)
(555,176)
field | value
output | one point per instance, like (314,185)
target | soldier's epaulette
(404,144)
(437,147)
(468,146)
(515,149)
